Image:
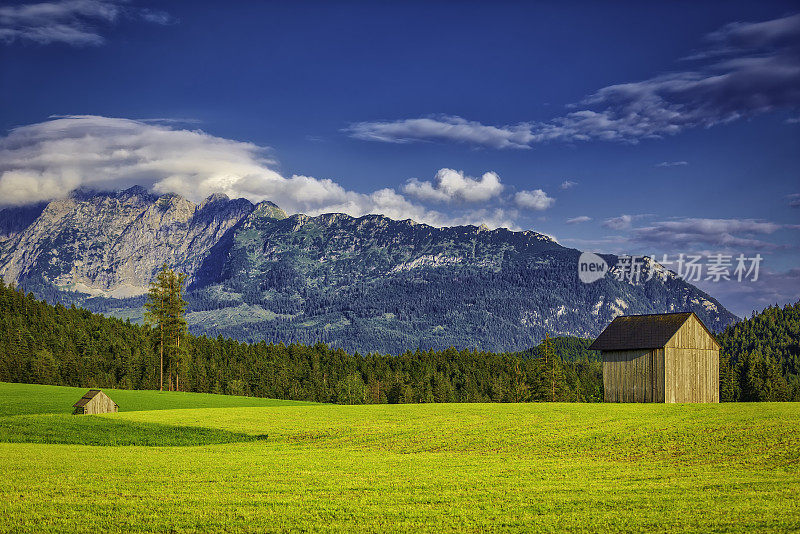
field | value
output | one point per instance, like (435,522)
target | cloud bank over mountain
(46,160)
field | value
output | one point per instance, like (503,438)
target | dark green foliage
(351,390)
(570,349)
(70,346)
(760,357)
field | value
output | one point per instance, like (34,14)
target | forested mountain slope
(368,284)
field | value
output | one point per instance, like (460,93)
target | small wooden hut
(668,357)
(95,401)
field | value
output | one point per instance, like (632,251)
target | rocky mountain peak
(268,210)
(135,191)
(111,243)
(215,198)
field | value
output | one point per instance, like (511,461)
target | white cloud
(449,185)
(578,220)
(443,128)
(729,233)
(698,235)
(619,223)
(156,17)
(568,184)
(748,69)
(43,161)
(535,200)
(794,200)
(672,164)
(72,22)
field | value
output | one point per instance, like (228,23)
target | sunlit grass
(17,399)
(436,468)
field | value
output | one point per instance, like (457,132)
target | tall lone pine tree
(164,310)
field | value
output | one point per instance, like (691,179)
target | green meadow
(189,462)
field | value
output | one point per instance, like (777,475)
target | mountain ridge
(366,283)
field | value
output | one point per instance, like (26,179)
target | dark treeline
(40,343)
(760,357)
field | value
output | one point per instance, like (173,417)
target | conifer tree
(156,314)
(176,323)
(728,380)
(165,308)
(519,388)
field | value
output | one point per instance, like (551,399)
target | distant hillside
(760,358)
(45,344)
(365,284)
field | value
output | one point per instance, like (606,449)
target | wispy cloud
(43,161)
(162,120)
(578,220)
(747,69)
(746,234)
(72,22)
(157,17)
(449,185)
(794,200)
(568,184)
(619,223)
(443,128)
(672,164)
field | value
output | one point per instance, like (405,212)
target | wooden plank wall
(692,365)
(633,375)
(101,403)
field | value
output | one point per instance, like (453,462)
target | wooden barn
(95,401)
(670,357)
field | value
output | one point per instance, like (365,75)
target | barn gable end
(95,401)
(659,358)
(692,364)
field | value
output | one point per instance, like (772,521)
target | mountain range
(365,284)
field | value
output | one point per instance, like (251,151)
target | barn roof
(628,332)
(86,398)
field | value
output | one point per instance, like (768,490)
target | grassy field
(232,464)
(16,399)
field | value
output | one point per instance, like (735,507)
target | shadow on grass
(93,430)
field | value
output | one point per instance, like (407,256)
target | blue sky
(623,127)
